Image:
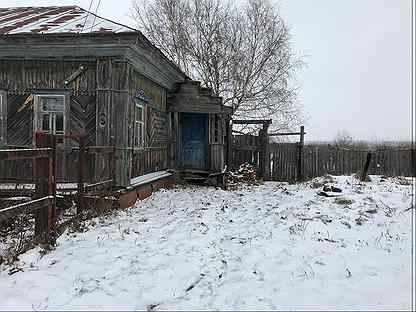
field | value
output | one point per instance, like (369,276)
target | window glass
(139,125)
(139,113)
(52,104)
(59,123)
(140,133)
(51,117)
(135,135)
(46,123)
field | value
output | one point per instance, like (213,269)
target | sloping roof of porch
(189,96)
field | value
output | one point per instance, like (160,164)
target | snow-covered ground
(273,246)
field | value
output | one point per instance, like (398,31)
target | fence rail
(26,207)
(44,204)
(91,167)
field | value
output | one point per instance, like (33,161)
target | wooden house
(64,70)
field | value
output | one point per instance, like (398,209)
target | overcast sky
(358,53)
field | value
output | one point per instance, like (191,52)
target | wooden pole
(266,155)
(81,173)
(229,159)
(366,166)
(300,152)
(45,170)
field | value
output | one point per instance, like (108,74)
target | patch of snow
(270,247)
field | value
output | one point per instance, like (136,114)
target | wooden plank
(252,121)
(286,133)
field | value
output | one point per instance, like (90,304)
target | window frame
(39,112)
(139,125)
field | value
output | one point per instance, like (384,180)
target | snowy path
(273,246)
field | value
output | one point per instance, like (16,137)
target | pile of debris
(246,173)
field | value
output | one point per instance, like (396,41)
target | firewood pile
(246,173)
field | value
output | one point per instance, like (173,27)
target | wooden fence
(99,162)
(43,203)
(322,159)
(284,161)
(93,170)
(318,160)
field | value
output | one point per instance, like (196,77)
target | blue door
(194,140)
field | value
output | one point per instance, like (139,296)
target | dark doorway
(194,141)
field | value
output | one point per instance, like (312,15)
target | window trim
(38,110)
(137,123)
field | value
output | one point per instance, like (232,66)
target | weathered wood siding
(154,155)
(19,124)
(22,76)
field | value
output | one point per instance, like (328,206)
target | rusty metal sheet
(55,19)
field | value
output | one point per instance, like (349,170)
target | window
(138,125)
(51,113)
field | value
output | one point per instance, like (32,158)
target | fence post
(113,167)
(300,154)
(229,138)
(366,166)
(45,170)
(266,151)
(81,173)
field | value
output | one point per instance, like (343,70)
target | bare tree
(241,52)
(343,139)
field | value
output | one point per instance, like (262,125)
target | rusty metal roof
(55,19)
